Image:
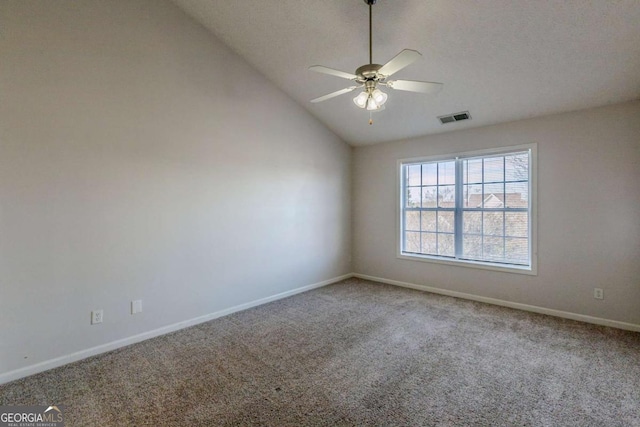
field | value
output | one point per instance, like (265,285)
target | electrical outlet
(97,316)
(136,306)
(598,293)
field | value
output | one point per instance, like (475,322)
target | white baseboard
(83,354)
(503,303)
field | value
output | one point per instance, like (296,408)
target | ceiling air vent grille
(455,117)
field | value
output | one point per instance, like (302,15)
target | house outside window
(473,209)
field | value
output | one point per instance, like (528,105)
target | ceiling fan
(370,76)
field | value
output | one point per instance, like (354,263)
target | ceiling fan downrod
(370,3)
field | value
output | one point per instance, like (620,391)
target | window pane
(446,244)
(493,197)
(430,174)
(472,247)
(447,196)
(517,194)
(412,220)
(413,197)
(517,250)
(494,169)
(412,242)
(446,173)
(517,224)
(446,222)
(472,172)
(429,221)
(517,167)
(472,196)
(472,222)
(493,248)
(429,243)
(429,197)
(492,223)
(413,175)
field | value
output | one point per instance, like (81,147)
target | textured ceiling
(502,60)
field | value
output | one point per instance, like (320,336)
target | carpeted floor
(357,353)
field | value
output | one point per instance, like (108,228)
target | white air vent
(455,117)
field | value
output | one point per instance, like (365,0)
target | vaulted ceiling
(502,60)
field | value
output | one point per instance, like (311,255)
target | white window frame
(532,268)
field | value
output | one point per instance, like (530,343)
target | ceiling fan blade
(334,94)
(331,71)
(415,86)
(401,60)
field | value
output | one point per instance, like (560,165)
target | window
(471,208)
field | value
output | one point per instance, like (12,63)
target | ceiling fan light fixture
(372,105)
(379,96)
(361,99)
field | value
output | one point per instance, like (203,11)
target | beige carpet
(357,353)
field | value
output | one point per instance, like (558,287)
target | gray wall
(141,159)
(588,213)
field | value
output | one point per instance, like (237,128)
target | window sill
(531,271)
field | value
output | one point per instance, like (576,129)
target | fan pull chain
(370,118)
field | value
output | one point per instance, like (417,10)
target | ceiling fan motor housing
(368,72)
(370,2)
